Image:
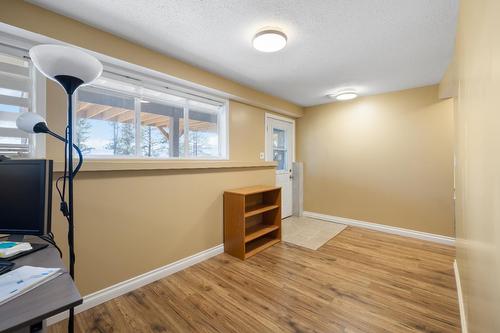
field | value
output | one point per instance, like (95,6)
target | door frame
(267,138)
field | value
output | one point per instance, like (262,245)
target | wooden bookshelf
(252,220)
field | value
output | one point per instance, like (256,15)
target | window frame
(138,82)
(36,100)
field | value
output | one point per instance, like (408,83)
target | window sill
(117,165)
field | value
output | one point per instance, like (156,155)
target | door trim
(266,130)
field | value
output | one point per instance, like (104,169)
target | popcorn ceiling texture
(375,46)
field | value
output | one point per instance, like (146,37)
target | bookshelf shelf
(258,245)
(258,209)
(258,230)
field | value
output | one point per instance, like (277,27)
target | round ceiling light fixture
(344,95)
(269,40)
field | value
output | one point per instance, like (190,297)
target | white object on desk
(24,279)
(9,249)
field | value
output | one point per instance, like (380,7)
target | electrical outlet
(261,155)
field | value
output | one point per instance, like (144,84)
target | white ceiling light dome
(344,95)
(269,40)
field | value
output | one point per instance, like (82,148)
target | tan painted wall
(385,159)
(478,162)
(448,87)
(247,133)
(178,213)
(171,213)
(130,222)
(36,19)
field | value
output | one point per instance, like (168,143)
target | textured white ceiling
(374,46)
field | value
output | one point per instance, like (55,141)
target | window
(121,119)
(15,98)
(203,130)
(279,148)
(105,123)
(156,130)
(162,126)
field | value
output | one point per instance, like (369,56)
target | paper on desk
(23,279)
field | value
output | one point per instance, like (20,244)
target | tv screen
(25,196)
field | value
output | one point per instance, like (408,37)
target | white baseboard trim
(383,228)
(126,286)
(463,319)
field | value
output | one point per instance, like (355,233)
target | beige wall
(477,58)
(35,19)
(130,222)
(384,159)
(169,214)
(179,213)
(247,134)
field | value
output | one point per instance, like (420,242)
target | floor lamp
(71,68)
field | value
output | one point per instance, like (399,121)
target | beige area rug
(309,233)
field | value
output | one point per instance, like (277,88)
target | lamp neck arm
(80,156)
(55,135)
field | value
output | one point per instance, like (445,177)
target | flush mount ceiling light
(269,40)
(344,95)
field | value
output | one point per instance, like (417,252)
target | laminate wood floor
(360,281)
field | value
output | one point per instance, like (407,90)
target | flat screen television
(25,196)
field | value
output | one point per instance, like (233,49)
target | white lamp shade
(27,121)
(53,60)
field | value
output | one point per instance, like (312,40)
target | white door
(280,148)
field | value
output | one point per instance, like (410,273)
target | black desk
(53,297)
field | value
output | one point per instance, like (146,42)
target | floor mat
(308,232)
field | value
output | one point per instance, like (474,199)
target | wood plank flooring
(360,281)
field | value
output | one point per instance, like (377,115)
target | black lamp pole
(70,84)
(69,147)
(77,68)
(69,173)
(71,226)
